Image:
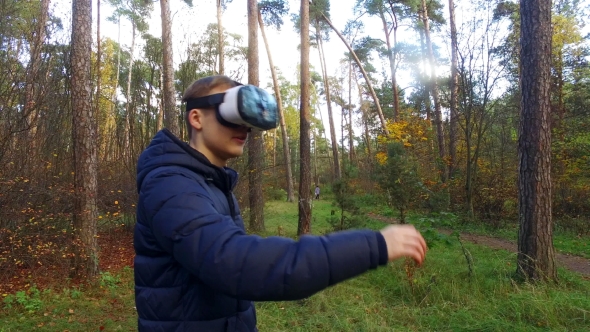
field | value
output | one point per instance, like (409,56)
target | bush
(345,221)
(275,194)
(369,200)
(29,300)
(349,214)
(438,199)
(399,178)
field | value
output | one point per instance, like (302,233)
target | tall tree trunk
(424,76)
(148,113)
(342,125)
(98,75)
(114,99)
(350,131)
(367,80)
(161,103)
(220,38)
(84,140)
(435,96)
(255,142)
(337,170)
(351,155)
(284,135)
(128,108)
(365,114)
(274,147)
(469,171)
(315,159)
(170,114)
(30,109)
(367,136)
(304,223)
(323,131)
(391,58)
(536,255)
(558,130)
(454,93)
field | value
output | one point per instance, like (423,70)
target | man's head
(216,141)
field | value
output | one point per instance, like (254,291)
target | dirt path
(573,263)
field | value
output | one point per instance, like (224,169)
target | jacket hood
(165,149)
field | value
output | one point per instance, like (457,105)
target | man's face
(216,141)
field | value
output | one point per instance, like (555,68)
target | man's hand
(404,241)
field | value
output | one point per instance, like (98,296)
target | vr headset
(243,105)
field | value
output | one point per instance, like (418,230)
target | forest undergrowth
(460,287)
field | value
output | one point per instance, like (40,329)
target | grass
(440,296)
(106,304)
(566,242)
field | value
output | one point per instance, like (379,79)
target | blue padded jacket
(196,269)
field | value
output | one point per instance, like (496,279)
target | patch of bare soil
(573,263)
(115,252)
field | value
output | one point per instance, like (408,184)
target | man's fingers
(405,241)
(416,250)
(420,242)
(417,241)
(419,251)
(417,257)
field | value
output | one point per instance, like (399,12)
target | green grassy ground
(440,296)
(566,242)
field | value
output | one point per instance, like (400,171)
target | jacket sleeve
(211,246)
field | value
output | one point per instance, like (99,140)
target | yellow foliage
(406,132)
(381,157)
(411,132)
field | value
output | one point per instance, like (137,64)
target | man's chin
(236,153)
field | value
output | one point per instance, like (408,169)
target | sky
(188,24)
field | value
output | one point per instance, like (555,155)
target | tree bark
(424,76)
(391,58)
(98,71)
(304,223)
(32,84)
(536,255)
(454,93)
(160,119)
(435,96)
(367,80)
(170,114)
(128,109)
(117,77)
(255,142)
(283,125)
(351,155)
(337,170)
(350,131)
(220,38)
(84,140)
(323,134)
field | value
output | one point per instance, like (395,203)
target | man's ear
(195,118)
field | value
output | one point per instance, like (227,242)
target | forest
(467,119)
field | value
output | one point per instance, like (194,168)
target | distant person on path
(317,192)
(196,269)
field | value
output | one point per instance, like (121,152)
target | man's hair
(202,87)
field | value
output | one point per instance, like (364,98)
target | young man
(196,269)
(317,192)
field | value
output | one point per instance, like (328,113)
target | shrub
(275,194)
(349,214)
